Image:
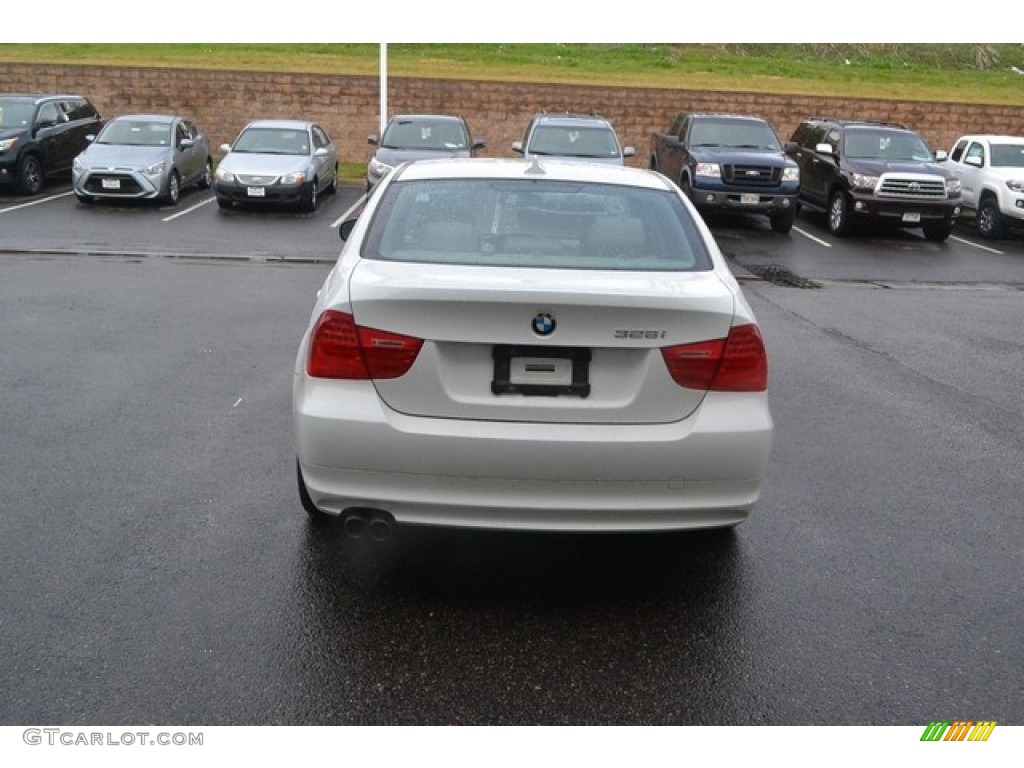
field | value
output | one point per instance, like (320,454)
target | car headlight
(377,168)
(224,175)
(8,144)
(712,170)
(863,181)
(953,186)
(155,169)
(299,177)
(77,166)
(791,174)
(1015,185)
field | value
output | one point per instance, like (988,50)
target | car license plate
(111,183)
(911,218)
(750,199)
(256,192)
(541,371)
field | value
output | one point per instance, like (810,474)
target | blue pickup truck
(729,163)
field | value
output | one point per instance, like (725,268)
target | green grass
(961,72)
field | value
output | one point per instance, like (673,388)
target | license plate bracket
(541,371)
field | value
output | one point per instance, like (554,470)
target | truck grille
(751,175)
(911,185)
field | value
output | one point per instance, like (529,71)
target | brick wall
(348,106)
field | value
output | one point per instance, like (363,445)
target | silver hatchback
(143,157)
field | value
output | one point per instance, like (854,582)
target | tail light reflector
(737,363)
(340,349)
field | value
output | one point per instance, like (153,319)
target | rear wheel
(990,220)
(839,214)
(316,515)
(30,175)
(206,180)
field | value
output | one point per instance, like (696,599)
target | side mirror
(372,139)
(225,148)
(517,146)
(628,151)
(346,228)
(479,144)
(320,152)
(186,143)
(790,147)
(941,156)
(90,137)
(975,161)
(825,149)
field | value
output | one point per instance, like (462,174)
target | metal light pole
(383,87)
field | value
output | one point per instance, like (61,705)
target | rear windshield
(535,223)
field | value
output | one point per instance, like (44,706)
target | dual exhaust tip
(376,524)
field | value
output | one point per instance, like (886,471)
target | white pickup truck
(991,172)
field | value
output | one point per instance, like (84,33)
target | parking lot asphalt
(157,566)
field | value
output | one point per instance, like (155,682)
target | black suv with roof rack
(884,173)
(40,136)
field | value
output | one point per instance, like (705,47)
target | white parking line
(348,213)
(809,236)
(35,202)
(978,246)
(200,204)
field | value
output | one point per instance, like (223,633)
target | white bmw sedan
(532,345)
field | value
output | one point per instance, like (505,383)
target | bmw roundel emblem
(543,324)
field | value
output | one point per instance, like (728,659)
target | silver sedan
(143,157)
(546,345)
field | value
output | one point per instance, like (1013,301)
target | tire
(312,198)
(224,204)
(783,222)
(173,191)
(84,199)
(333,188)
(839,214)
(990,220)
(206,180)
(686,188)
(31,177)
(937,233)
(316,515)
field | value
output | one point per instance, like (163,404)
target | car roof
(729,116)
(428,116)
(855,122)
(147,118)
(570,118)
(37,97)
(288,124)
(551,169)
(993,137)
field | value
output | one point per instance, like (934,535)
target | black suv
(872,171)
(40,136)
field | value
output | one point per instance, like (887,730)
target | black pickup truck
(729,162)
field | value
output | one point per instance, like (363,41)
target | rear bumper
(704,471)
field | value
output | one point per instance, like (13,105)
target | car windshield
(573,141)
(15,113)
(136,133)
(273,141)
(535,223)
(886,145)
(734,134)
(1008,155)
(425,134)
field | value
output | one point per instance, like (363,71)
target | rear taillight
(340,349)
(734,364)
